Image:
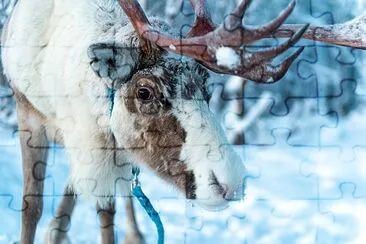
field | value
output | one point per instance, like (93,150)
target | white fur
(45,57)
(206,149)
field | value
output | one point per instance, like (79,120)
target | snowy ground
(296,194)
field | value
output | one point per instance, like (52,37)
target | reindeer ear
(112,61)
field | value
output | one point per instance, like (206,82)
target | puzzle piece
(262,156)
(326,167)
(347,210)
(292,121)
(339,104)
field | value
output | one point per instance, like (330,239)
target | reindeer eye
(144,94)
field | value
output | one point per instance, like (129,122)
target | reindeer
(64,57)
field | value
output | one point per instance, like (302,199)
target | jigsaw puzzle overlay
(302,140)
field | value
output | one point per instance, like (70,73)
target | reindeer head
(161,113)
(173,131)
(161,117)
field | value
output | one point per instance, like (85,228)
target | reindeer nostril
(218,187)
(224,195)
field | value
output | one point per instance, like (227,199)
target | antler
(203,23)
(349,34)
(204,40)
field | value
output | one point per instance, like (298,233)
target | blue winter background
(305,147)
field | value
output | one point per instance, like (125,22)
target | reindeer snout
(215,192)
(228,192)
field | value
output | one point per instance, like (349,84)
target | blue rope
(111,95)
(136,187)
(146,204)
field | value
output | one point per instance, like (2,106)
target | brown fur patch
(163,138)
(158,130)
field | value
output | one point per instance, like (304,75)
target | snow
(227,57)
(234,83)
(354,29)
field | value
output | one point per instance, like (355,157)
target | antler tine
(272,74)
(236,17)
(274,24)
(136,15)
(203,23)
(268,54)
(242,8)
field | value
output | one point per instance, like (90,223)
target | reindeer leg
(57,230)
(106,217)
(34,145)
(133,234)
